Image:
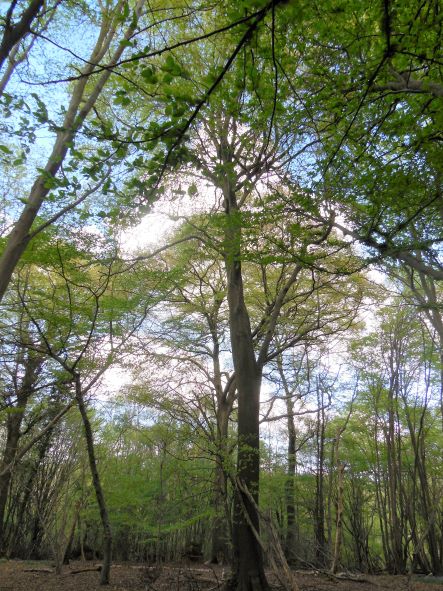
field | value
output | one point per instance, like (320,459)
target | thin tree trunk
(75,524)
(17,533)
(13,434)
(340,469)
(106,525)
(291,531)
(225,398)
(219,550)
(291,523)
(82,101)
(319,507)
(426,504)
(339,519)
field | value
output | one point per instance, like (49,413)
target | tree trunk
(14,33)
(393,448)
(291,523)
(427,506)
(29,484)
(339,518)
(81,103)
(248,567)
(225,396)
(358,528)
(70,541)
(13,435)
(319,507)
(107,534)
(13,426)
(291,531)
(220,534)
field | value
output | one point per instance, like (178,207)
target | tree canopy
(278,344)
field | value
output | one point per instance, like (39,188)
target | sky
(149,233)
(153,229)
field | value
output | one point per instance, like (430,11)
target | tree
(309,128)
(118,26)
(26,367)
(399,386)
(230,172)
(370,93)
(196,336)
(103,316)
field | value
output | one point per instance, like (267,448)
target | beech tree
(309,128)
(230,173)
(119,28)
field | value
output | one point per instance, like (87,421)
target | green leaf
(192,190)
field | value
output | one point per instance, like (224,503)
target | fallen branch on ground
(335,577)
(86,570)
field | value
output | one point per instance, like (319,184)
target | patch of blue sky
(40,81)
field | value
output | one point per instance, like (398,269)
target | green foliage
(316,117)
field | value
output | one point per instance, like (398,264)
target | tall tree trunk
(106,525)
(291,531)
(319,506)
(339,518)
(249,574)
(220,535)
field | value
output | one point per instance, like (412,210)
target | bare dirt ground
(16,575)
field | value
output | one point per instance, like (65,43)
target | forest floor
(17,575)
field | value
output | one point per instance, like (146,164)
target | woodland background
(220,276)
